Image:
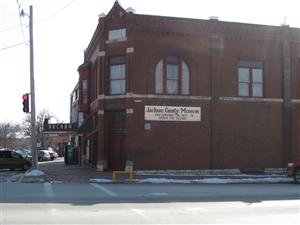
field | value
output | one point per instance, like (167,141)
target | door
(117,130)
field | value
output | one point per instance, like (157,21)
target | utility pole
(32,92)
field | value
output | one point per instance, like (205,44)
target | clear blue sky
(63,29)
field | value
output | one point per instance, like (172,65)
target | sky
(64,28)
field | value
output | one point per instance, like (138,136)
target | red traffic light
(25,97)
(25,103)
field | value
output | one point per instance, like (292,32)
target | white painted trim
(100,112)
(203,98)
(102,53)
(116,40)
(240,99)
(129,111)
(131,95)
(130,50)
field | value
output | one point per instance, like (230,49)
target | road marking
(106,190)
(48,190)
(159,194)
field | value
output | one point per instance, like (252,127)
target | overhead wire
(15,45)
(19,8)
(56,13)
(40,21)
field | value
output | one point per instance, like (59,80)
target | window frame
(113,37)
(250,66)
(84,91)
(165,78)
(123,61)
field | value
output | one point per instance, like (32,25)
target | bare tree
(41,116)
(8,134)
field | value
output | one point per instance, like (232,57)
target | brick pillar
(287,95)
(216,44)
(101,160)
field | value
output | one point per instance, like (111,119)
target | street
(45,203)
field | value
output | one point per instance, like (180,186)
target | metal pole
(33,118)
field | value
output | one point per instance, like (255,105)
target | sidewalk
(57,172)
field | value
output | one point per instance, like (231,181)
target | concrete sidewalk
(57,172)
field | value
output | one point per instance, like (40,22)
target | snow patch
(34,173)
(216,180)
(163,181)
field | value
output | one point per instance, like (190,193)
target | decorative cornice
(196,27)
(243,99)
(132,95)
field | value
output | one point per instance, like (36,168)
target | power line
(10,28)
(56,13)
(42,20)
(19,8)
(15,45)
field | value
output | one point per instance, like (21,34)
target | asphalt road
(149,204)
(5,174)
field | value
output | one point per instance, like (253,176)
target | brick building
(178,93)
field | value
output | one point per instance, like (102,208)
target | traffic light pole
(32,94)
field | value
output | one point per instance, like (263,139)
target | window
(118,34)
(84,92)
(119,122)
(15,155)
(172,77)
(250,76)
(117,75)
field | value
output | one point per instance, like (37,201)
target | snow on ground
(142,173)
(258,180)
(216,180)
(34,173)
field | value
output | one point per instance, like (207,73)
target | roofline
(209,20)
(95,36)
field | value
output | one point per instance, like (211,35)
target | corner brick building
(236,84)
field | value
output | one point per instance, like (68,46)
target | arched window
(172,77)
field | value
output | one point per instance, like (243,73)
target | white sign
(172,113)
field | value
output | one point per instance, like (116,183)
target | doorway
(117,134)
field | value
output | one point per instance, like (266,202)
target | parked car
(24,154)
(43,155)
(28,152)
(53,154)
(293,170)
(12,160)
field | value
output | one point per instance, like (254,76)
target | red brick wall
(237,133)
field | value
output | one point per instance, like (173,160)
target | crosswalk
(104,189)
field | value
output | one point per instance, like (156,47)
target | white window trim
(117,35)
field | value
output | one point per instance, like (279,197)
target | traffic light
(25,103)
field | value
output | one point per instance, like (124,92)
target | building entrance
(117,130)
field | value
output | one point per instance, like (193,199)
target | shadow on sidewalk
(58,171)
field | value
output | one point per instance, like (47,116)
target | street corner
(34,176)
